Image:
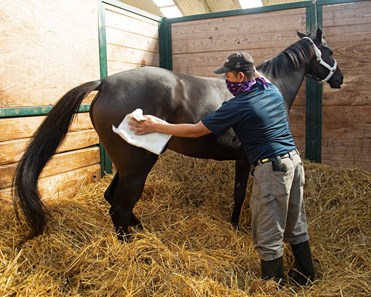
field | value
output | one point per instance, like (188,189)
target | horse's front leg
(242,170)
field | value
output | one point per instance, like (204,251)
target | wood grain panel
(47,48)
(25,127)
(243,25)
(347,112)
(132,40)
(200,46)
(131,56)
(64,185)
(344,15)
(63,162)
(12,151)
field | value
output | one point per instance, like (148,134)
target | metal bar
(314,91)
(102,41)
(237,12)
(106,163)
(165,45)
(332,2)
(11,112)
(132,9)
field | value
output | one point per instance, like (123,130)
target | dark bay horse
(174,97)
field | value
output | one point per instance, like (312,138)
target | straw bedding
(187,247)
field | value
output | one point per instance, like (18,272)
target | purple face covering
(237,88)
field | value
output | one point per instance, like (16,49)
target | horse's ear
(319,34)
(301,35)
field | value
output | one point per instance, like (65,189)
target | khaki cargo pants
(277,206)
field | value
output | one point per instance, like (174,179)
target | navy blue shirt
(259,120)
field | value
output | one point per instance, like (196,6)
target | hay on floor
(187,247)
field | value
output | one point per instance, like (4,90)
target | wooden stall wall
(200,46)
(347,112)
(47,48)
(132,40)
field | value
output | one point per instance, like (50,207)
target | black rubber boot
(273,270)
(303,271)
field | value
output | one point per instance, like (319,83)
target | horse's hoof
(234,225)
(124,238)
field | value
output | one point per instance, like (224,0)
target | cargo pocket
(301,174)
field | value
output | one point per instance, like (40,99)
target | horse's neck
(289,84)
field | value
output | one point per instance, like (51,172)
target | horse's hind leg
(242,170)
(110,191)
(108,195)
(130,186)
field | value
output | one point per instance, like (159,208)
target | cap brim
(221,70)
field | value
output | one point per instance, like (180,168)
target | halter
(331,69)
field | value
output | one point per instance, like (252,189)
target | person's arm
(153,124)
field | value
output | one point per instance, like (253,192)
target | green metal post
(106,163)
(313,119)
(165,44)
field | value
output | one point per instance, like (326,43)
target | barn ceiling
(191,7)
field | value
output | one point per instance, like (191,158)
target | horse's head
(325,67)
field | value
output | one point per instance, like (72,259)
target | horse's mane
(291,59)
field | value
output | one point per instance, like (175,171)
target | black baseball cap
(238,61)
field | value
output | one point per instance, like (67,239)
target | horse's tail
(45,142)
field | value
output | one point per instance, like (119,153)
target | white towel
(153,142)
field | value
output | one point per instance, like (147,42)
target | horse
(174,97)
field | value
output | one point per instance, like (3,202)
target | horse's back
(174,97)
(160,92)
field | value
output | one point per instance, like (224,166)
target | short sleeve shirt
(259,120)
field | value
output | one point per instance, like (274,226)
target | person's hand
(145,125)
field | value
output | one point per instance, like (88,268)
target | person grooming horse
(257,114)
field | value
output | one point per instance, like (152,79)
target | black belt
(277,158)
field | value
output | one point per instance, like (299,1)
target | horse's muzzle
(336,83)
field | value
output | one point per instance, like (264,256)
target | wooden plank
(241,25)
(204,64)
(201,46)
(65,185)
(353,51)
(342,115)
(332,32)
(347,130)
(117,66)
(246,41)
(59,163)
(125,13)
(46,49)
(12,151)
(18,128)
(347,149)
(348,164)
(347,14)
(347,114)
(131,40)
(346,96)
(360,63)
(131,56)
(141,27)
